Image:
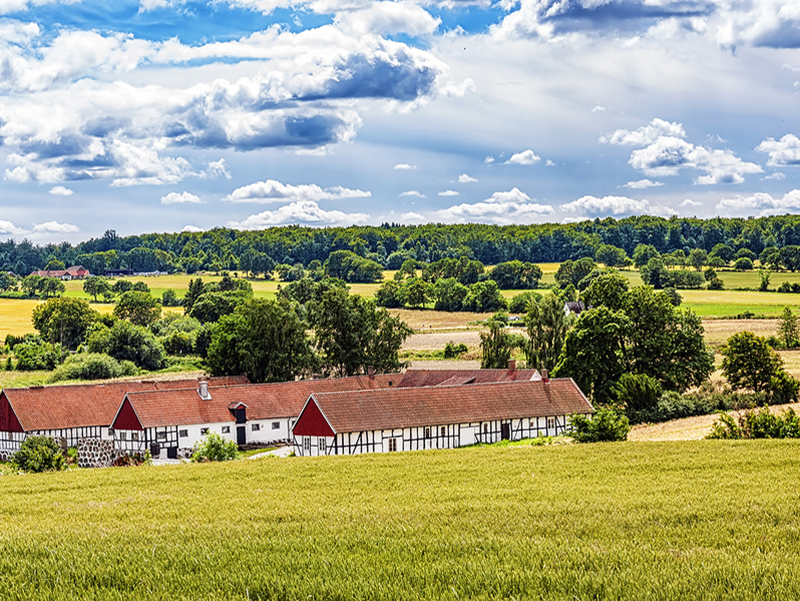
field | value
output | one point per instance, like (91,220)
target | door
(241,435)
(155,449)
(172,452)
(505,431)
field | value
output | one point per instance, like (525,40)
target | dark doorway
(505,431)
(155,449)
(172,452)
(241,435)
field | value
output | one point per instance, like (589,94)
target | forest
(389,245)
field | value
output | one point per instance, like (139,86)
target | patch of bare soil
(437,340)
(718,331)
(689,428)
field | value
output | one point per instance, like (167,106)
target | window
(392,445)
(255,427)
(322,446)
(427,432)
(444,431)
(226,429)
(485,428)
(111,432)
(134,436)
(551,423)
(161,435)
(203,431)
(183,433)
(122,436)
(307,443)
(276,425)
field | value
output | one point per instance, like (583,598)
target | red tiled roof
(451,377)
(84,405)
(440,405)
(264,401)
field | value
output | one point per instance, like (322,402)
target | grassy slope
(703,520)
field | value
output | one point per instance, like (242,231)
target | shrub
(757,424)
(637,392)
(215,448)
(606,426)
(35,354)
(452,350)
(39,454)
(178,343)
(93,366)
(125,341)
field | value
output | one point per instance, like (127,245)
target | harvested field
(426,320)
(437,340)
(719,330)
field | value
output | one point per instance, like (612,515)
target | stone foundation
(93,452)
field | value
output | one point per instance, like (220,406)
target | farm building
(435,417)
(75,272)
(417,378)
(170,422)
(73,412)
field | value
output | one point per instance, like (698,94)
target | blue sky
(165,115)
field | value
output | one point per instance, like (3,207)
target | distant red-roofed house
(435,417)
(73,411)
(76,272)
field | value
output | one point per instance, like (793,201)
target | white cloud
(388,17)
(549,163)
(608,205)
(61,191)
(274,191)
(448,193)
(502,208)
(783,152)
(53,227)
(192,228)
(689,204)
(642,184)
(778,176)
(763,202)
(405,167)
(180,198)
(303,212)
(217,169)
(526,157)
(647,134)
(466,179)
(416,193)
(6,227)
(489,160)
(412,217)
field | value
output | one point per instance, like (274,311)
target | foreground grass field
(702,520)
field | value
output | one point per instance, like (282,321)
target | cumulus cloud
(271,190)
(526,157)
(6,227)
(503,208)
(642,184)
(647,134)
(53,227)
(388,18)
(448,193)
(303,212)
(689,204)
(61,191)
(763,202)
(489,160)
(217,169)
(192,228)
(466,179)
(404,167)
(416,193)
(180,198)
(783,152)
(608,205)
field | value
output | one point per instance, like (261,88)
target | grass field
(694,520)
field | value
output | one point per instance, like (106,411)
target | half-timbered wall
(428,437)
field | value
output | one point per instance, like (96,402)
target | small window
(485,428)
(122,436)
(444,432)
(392,445)
(134,436)
(226,429)
(276,425)
(111,432)
(255,427)
(427,432)
(322,446)
(161,435)
(307,443)
(11,435)
(203,431)
(183,433)
(551,423)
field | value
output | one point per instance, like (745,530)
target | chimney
(371,372)
(512,365)
(545,376)
(204,391)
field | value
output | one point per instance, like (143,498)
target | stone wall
(94,452)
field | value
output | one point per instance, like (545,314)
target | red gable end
(126,418)
(8,419)
(312,422)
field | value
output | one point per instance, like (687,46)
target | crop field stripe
(702,520)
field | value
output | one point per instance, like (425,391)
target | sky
(175,115)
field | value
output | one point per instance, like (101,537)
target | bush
(452,350)
(39,454)
(215,448)
(35,354)
(178,343)
(757,424)
(637,392)
(93,366)
(606,426)
(125,341)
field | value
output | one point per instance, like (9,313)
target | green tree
(496,346)
(516,275)
(612,256)
(606,425)
(215,448)
(140,308)
(95,286)
(263,339)
(788,329)
(643,253)
(655,274)
(547,325)
(351,334)
(39,454)
(637,392)
(449,294)
(121,286)
(389,295)
(572,272)
(213,305)
(50,287)
(416,292)
(128,342)
(64,320)
(609,289)
(697,258)
(483,297)
(749,363)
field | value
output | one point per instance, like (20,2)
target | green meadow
(695,520)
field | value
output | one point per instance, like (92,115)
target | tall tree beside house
(64,321)
(264,339)
(547,324)
(351,334)
(496,346)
